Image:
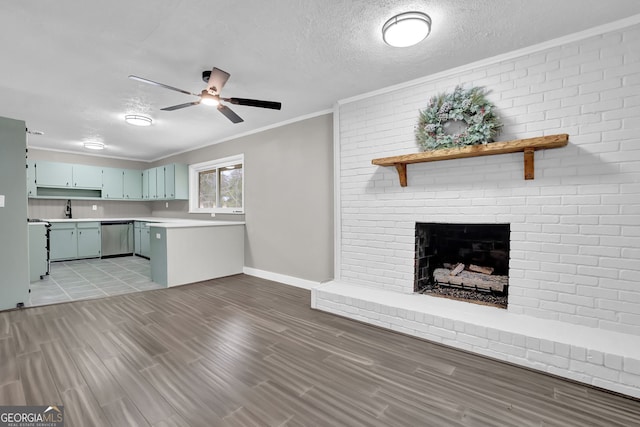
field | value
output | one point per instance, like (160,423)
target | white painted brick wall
(575,228)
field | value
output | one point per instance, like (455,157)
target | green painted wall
(14,251)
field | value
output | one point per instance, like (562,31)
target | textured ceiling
(65,62)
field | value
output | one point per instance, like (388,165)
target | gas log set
(471,283)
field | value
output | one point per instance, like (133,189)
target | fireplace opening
(468,262)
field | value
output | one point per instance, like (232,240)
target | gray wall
(288,197)
(54,208)
(14,252)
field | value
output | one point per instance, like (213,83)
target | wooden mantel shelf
(528,146)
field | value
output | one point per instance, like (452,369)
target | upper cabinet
(63,180)
(85,176)
(74,181)
(169,182)
(112,183)
(132,184)
(149,187)
(160,185)
(53,174)
(31,178)
(176,181)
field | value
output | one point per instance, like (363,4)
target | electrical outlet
(1,200)
(94,207)
(213,214)
(166,204)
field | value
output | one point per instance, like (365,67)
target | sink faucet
(67,210)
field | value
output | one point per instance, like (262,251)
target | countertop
(154,221)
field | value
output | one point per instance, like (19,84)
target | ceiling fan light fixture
(406,29)
(93,145)
(138,120)
(207,99)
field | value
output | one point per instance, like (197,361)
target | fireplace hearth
(468,262)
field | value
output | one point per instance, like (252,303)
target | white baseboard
(282,278)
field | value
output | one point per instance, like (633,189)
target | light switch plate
(1,200)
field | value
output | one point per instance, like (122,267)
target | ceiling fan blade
(177,107)
(217,80)
(229,114)
(254,103)
(151,82)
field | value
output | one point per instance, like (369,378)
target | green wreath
(463,117)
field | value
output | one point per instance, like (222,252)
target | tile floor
(92,278)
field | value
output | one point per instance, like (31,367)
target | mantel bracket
(402,173)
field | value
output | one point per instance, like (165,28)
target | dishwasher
(117,238)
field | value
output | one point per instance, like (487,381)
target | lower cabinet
(142,238)
(63,241)
(89,239)
(37,251)
(71,240)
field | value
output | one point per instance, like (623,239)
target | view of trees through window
(231,186)
(207,189)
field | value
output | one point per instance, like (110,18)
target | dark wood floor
(242,351)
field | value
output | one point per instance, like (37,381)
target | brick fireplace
(573,265)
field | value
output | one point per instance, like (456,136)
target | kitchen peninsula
(192,251)
(181,251)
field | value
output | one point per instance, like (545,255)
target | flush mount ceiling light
(94,145)
(406,29)
(138,120)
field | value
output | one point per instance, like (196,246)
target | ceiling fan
(215,79)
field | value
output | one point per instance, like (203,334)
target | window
(217,186)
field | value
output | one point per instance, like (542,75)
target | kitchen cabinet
(112,183)
(150,183)
(142,239)
(145,242)
(76,181)
(132,184)
(86,176)
(145,184)
(53,174)
(63,180)
(31,178)
(37,251)
(63,241)
(89,241)
(160,184)
(176,177)
(169,182)
(136,238)
(71,240)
